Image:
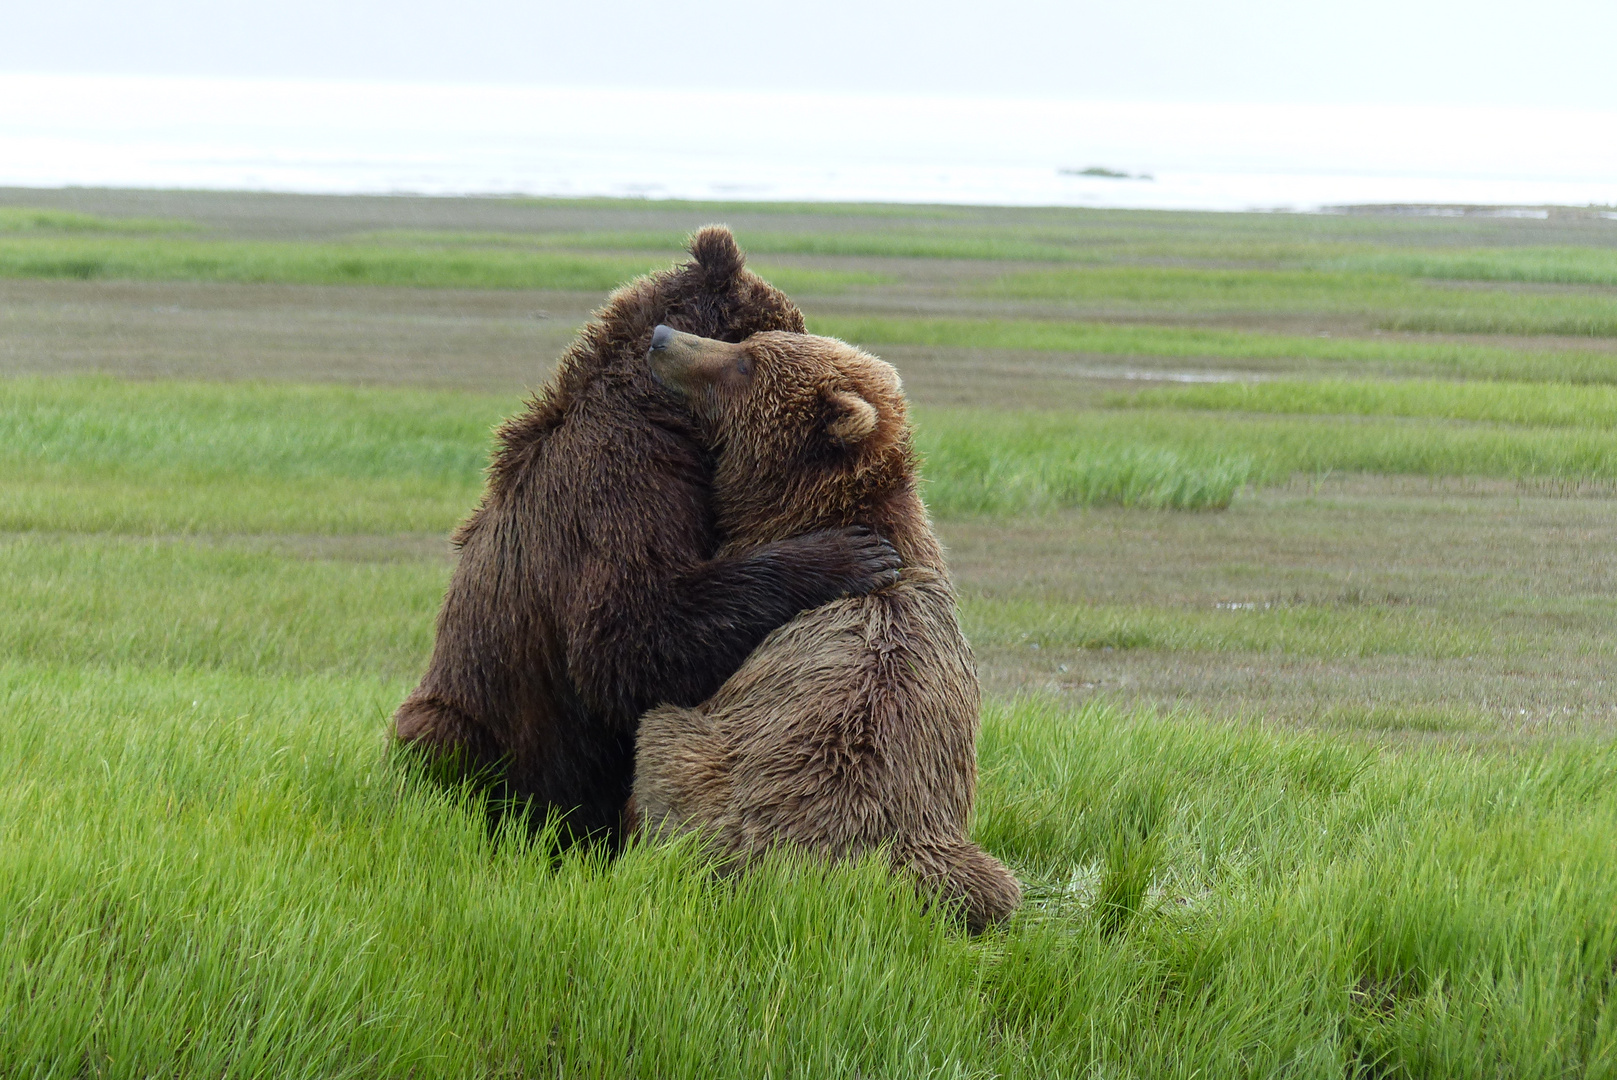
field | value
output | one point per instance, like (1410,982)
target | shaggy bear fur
(855,725)
(588,589)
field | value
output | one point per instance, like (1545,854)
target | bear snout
(687,363)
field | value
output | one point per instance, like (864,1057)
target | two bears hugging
(702,593)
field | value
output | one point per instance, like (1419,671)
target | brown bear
(854,726)
(589,586)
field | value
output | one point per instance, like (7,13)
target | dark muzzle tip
(661,336)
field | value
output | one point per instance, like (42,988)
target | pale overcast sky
(1549,53)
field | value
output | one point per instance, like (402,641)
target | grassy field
(1260,351)
(345,264)
(1284,543)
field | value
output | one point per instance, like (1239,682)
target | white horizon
(391,136)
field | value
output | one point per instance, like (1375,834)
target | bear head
(808,432)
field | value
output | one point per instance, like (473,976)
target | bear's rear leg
(680,770)
(445,742)
(968,879)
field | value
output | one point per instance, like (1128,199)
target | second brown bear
(854,726)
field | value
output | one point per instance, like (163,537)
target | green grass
(244,430)
(1399,355)
(1009,464)
(966,447)
(1390,864)
(715,210)
(100,455)
(1544,265)
(216,873)
(1278,627)
(349,264)
(976,242)
(78,500)
(296,606)
(1337,275)
(1485,312)
(212,597)
(1201,289)
(25,219)
(233,607)
(874,244)
(1527,404)
(1318,267)
(227,877)
(1390,302)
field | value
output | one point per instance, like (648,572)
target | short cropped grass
(1001,465)
(349,264)
(1544,265)
(27,219)
(965,448)
(1528,404)
(1199,288)
(1088,243)
(717,209)
(1278,627)
(244,430)
(1321,261)
(234,606)
(876,244)
(1385,300)
(103,455)
(1371,355)
(213,873)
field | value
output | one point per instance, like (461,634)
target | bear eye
(744,366)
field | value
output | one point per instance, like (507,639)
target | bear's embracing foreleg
(710,618)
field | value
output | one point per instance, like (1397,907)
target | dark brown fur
(588,589)
(854,726)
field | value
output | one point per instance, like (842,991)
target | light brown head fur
(810,432)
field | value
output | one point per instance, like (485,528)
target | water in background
(376,137)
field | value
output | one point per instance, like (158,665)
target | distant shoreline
(570,142)
(19,195)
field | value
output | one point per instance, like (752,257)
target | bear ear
(850,418)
